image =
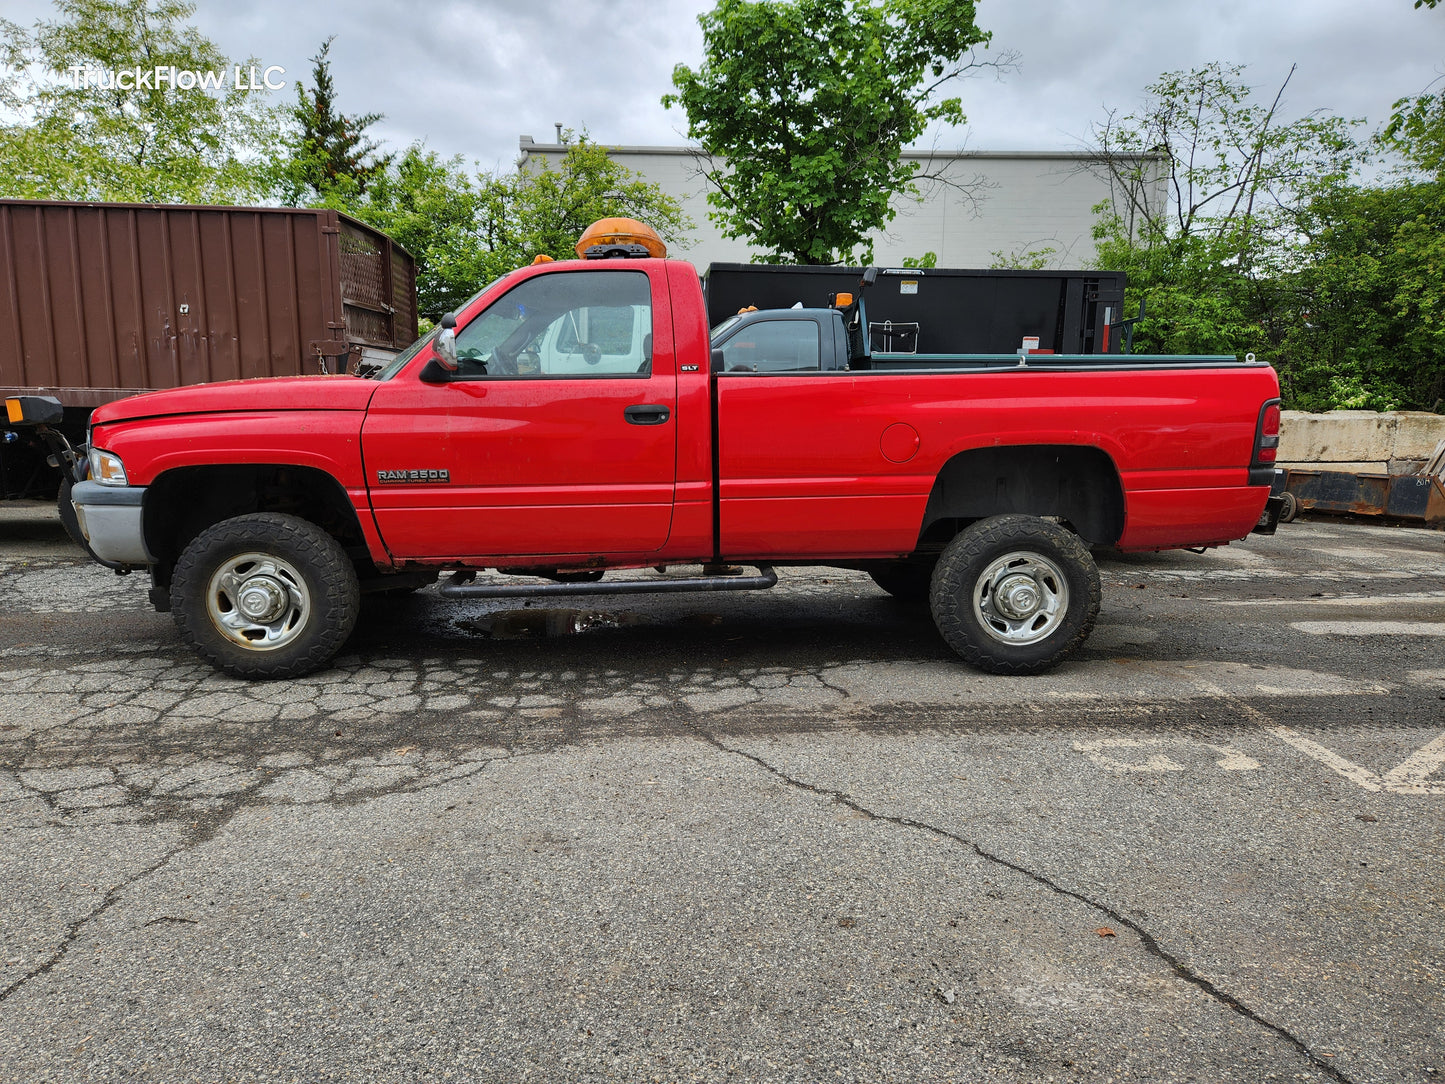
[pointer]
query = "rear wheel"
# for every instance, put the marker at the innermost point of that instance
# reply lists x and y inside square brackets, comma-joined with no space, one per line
[265,596]
[1015,594]
[1289,507]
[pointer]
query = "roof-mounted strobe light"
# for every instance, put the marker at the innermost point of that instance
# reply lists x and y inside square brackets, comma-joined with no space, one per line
[620,238]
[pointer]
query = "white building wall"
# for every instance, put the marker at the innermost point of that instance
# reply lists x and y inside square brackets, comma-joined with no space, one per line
[987,203]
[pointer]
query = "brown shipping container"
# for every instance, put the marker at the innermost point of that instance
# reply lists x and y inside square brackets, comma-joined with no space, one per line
[102,300]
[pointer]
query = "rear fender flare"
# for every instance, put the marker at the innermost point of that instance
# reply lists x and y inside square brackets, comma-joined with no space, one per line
[1076,484]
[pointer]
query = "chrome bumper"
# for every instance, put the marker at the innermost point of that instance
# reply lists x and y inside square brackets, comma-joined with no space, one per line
[110,520]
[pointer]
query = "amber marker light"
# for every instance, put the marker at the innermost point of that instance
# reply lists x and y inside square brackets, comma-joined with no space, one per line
[621,231]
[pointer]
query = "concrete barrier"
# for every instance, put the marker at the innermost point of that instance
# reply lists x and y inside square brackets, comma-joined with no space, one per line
[1360,441]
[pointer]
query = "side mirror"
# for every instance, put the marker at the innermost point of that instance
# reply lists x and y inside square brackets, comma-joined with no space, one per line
[719,361]
[446,344]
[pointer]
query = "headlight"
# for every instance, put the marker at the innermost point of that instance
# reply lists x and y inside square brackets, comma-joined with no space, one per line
[107,469]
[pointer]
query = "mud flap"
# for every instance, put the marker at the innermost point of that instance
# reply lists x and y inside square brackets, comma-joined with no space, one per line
[1269,518]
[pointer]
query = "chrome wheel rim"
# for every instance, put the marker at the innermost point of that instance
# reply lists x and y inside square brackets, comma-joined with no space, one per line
[1021,598]
[258,601]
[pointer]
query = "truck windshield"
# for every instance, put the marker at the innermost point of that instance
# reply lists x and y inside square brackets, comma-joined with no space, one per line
[398,363]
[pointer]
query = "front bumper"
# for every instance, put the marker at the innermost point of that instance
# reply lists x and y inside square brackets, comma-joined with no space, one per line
[110,518]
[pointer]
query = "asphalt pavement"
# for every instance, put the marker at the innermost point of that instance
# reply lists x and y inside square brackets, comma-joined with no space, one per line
[782,836]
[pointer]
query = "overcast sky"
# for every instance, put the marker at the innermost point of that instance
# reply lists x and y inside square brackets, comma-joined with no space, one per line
[469,76]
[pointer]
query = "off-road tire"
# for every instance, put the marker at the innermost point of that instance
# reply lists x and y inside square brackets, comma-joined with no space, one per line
[305,570]
[1040,561]
[907,581]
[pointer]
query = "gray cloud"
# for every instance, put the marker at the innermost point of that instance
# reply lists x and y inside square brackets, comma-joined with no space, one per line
[1355,58]
[469,76]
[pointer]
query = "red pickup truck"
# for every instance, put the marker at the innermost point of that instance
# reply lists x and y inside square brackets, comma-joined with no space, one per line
[577,417]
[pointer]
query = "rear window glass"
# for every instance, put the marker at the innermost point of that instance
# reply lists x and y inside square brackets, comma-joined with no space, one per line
[773,346]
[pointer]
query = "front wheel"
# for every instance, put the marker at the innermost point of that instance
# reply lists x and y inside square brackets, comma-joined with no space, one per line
[265,595]
[1015,594]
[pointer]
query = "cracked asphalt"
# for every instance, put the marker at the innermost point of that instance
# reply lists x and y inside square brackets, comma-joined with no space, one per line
[769,837]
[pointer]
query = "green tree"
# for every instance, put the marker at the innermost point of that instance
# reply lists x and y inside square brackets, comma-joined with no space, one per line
[1371,280]
[1371,298]
[1416,132]
[543,211]
[1252,234]
[466,230]
[1034,257]
[1206,158]
[431,207]
[1205,182]
[802,109]
[75,133]
[329,150]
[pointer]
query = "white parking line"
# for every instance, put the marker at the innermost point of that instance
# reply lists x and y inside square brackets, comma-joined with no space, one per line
[1370,628]
[1429,678]
[1431,599]
[1362,777]
[1209,575]
[1410,776]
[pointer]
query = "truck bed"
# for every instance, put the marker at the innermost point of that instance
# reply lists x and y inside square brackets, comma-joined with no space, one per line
[926,363]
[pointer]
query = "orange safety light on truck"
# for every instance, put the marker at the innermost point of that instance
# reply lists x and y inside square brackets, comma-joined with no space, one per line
[612,237]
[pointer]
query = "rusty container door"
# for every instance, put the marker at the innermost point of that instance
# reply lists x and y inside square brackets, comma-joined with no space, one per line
[378,290]
[99,301]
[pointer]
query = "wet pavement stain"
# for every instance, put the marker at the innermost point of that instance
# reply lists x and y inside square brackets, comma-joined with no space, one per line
[538,624]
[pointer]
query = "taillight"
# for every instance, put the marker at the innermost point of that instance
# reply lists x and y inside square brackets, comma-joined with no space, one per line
[1266,440]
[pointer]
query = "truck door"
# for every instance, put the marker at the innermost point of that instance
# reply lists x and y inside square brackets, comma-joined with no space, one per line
[556,437]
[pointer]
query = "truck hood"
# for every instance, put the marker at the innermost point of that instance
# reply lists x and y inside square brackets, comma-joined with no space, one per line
[233,396]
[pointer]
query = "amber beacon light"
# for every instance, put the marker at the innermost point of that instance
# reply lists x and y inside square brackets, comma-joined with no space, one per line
[619,238]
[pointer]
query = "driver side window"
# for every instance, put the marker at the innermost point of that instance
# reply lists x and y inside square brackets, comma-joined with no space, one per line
[562,325]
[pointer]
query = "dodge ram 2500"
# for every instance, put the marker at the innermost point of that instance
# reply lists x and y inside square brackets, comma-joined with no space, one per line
[577,417]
